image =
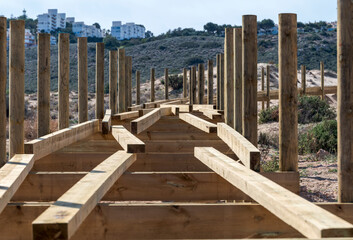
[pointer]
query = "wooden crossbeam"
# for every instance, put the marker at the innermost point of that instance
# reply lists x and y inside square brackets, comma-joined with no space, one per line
[144,122]
[198,122]
[63,218]
[304,216]
[107,121]
[211,113]
[182,107]
[197,107]
[135,107]
[127,140]
[145,111]
[50,143]
[126,115]
[247,153]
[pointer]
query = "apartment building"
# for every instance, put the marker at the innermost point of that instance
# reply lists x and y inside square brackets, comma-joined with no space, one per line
[127,31]
[51,21]
[80,29]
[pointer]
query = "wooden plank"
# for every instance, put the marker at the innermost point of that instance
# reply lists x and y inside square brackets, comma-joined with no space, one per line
[12,174]
[229,76]
[185,80]
[238,98]
[211,114]
[152,79]
[82,67]
[222,80]
[99,80]
[126,115]
[268,76]
[3,79]
[52,142]
[322,71]
[121,80]
[127,140]
[303,78]
[248,154]
[304,216]
[218,69]
[138,88]
[166,83]
[197,107]
[135,108]
[141,124]
[63,218]
[201,83]
[198,122]
[210,82]
[113,82]
[107,121]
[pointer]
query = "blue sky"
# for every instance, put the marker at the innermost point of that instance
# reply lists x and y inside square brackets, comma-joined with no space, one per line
[161,15]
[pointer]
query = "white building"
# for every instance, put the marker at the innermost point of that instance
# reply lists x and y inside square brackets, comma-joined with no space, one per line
[51,21]
[70,20]
[80,29]
[127,31]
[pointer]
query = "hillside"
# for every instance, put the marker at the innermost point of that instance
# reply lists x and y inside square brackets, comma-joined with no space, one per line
[178,52]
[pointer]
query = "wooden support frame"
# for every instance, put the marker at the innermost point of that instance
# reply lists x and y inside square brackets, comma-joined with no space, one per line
[127,140]
[238,90]
[99,80]
[113,81]
[210,82]
[144,122]
[121,80]
[126,115]
[211,113]
[198,122]
[248,154]
[135,108]
[229,77]
[76,204]
[82,80]
[185,80]
[304,216]
[107,121]
[138,88]
[3,79]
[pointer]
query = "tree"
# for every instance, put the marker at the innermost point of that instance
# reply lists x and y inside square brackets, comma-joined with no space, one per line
[300,25]
[211,28]
[111,42]
[148,34]
[266,24]
[97,25]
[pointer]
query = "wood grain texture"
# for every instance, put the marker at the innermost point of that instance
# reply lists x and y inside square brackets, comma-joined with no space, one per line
[229,77]
[99,80]
[238,90]
[121,80]
[82,80]
[113,82]
[3,79]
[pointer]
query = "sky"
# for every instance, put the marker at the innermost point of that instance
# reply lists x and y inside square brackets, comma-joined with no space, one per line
[159,16]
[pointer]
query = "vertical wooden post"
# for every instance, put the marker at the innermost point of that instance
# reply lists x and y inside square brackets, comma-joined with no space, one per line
[201,83]
[17,86]
[191,74]
[222,80]
[229,77]
[218,66]
[82,80]
[322,69]
[43,84]
[166,83]
[288,112]
[3,77]
[345,100]
[194,85]
[152,79]
[185,82]
[121,80]
[249,75]
[99,80]
[138,88]
[210,82]
[64,75]
[263,84]
[268,77]
[238,80]
[128,81]
[303,73]
[113,80]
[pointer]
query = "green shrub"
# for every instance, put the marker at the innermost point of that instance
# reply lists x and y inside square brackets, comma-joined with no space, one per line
[211,45]
[176,81]
[271,166]
[189,45]
[313,109]
[162,47]
[193,61]
[269,115]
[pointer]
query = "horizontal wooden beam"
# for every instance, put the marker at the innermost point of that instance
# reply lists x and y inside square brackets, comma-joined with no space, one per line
[63,218]
[211,113]
[247,153]
[50,143]
[197,107]
[198,122]
[304,216]
[145,111]
[142,123]
[107,121]
[127,140]
[135,107]
[182,107]
[126,115]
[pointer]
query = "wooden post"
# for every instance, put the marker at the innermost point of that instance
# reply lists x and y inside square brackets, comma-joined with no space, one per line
[194,86]
[201,82]
[121,80]
[185,80]
[345,100]
[128,82]
[99,80]
[113,79]
[229,77]
[3,78]
[64,75]
[137,87]
[303,73]
[263,84]
[238,95]
[43,84]
[221,80]
[249,74]
[322,70]
[191,74]
[152,79]
[268,77]
[288,112]
[82,80]
[218,69]
[166,83]
[210,82]
[17,86]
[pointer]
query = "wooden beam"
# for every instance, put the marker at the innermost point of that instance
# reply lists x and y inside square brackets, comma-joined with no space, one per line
[82,80]
[129,81]
[121,80]
[135,108]
[221,79]
[263,84]
[322,71]
[210,82]
[194,86]
[248,154]
[52,142]
[218,69]
[126,115]
[304,216]
[107,121]
[303,78]
[144,122]
[201,83]
[185,80]
[197,107]
[138,88]
[152,79]
[198,122]
[3,79]
[211,114]
[76,204]
[113,81]
[166,83]
[127,140]
[268,76]
[229,77]
[238,90]
[99,80]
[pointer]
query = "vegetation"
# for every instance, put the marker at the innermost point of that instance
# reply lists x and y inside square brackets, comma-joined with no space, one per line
[269,115]
[176,81]
[271,165]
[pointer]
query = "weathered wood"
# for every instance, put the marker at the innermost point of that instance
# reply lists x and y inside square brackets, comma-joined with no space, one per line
[249,75]
[77,203]
[3,78]
[145,111]
[322,71]
[127,140]
[166,83]
[43,84]
[211,114]
[144,122]
[135,108]
[138,88]
[52,142]
[210,82]
[126,115]
[82,80]
[303,75]
[64,79]
[194,85]
[152,79]
[198,122]
[99,80]
[201,82]
[16,86]
[288,112]
[185,80]
[121,80]
[129,81]
[107,122]
[218,69]
[248,154]
[304,216]
[113,82]
[221,79]
[268,76]
[238,95]
[229,77]
[345,100]
[263,84]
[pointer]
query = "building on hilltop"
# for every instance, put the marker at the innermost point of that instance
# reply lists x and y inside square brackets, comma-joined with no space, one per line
[51,21]
[70,20]
[80,29]
[127,31]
